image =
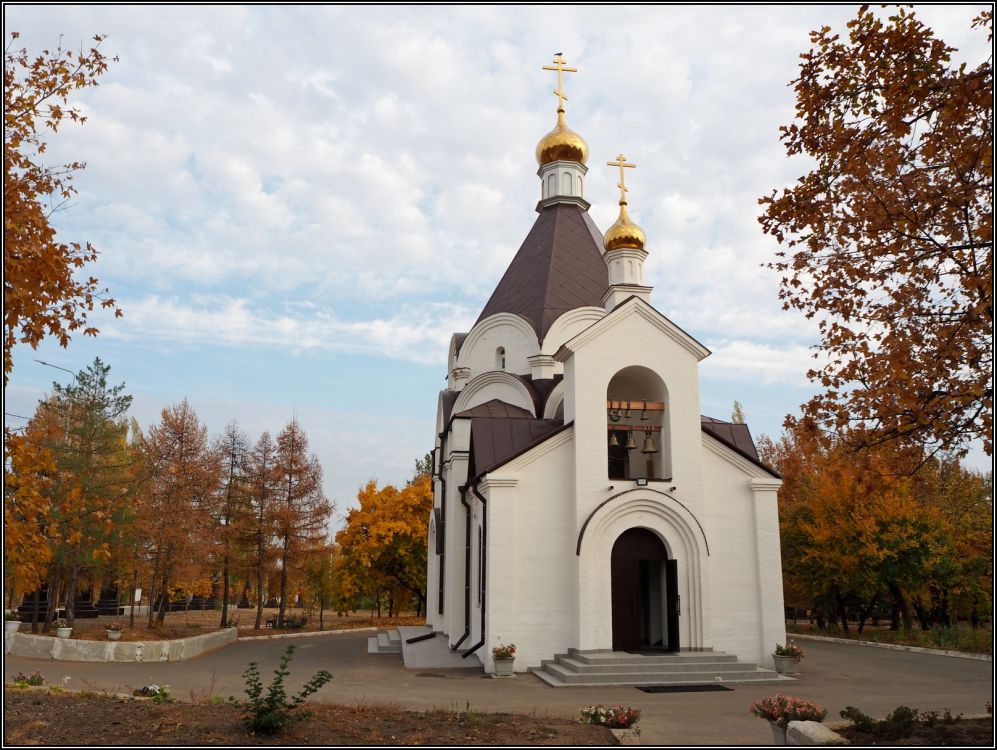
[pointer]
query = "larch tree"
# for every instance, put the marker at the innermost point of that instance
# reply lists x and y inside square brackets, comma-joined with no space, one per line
[184,474]
[42,295]
[231,507]
[737,414]
[889,238]
[263,481]
[301,511]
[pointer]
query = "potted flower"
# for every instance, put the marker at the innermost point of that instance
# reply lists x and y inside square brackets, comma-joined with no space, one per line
[787,657]
[10,622]
[504,656]
[781,709]
[62,628]
[621,720]
[114,631]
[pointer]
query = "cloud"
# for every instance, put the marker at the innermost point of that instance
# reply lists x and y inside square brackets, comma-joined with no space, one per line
[416,334]
[750,362]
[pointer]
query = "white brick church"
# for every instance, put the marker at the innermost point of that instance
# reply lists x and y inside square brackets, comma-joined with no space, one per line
[581,499]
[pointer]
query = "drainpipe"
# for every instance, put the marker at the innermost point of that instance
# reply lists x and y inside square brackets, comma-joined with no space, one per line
[443,524]
[484,567]
[467,568]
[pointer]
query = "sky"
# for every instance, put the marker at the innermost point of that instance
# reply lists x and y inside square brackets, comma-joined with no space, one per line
[295,207]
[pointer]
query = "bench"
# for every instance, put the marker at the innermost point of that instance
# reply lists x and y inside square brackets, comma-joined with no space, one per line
[271,622]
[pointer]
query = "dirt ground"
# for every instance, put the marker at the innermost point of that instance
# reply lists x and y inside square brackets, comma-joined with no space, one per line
[36,717]
[971,732]
[186,624]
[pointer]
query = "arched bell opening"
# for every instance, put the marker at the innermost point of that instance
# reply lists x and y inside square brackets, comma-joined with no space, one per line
[637,425]
[645,600]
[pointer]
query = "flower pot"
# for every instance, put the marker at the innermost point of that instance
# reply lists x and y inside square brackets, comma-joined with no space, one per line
[629,736]
[786,664]
[63,632]
[11,626]
[503,667]
[114,635]
[778,732]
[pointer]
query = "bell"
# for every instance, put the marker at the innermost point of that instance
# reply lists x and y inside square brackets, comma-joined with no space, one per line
[627,415]
[612,439]
[648,444]
[631,443]
[643,414]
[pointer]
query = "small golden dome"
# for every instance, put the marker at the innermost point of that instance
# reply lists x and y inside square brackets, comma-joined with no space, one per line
[624,233]
[562,143]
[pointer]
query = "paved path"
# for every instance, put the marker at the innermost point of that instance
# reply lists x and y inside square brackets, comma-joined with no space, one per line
[836,675]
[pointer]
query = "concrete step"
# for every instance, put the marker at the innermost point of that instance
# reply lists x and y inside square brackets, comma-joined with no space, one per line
[576,665]
[604,668]
[383,644]
[623,658]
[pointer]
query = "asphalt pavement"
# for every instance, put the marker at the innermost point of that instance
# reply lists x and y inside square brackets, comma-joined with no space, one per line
[835,675]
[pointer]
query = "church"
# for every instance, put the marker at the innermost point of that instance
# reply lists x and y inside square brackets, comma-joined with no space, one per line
[582,503]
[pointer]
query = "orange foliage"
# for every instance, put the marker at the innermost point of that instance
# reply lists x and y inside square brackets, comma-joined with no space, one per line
[41,296]
[890,236]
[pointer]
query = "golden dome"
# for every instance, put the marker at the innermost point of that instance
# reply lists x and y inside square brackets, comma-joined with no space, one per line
[624,233]
[562,143]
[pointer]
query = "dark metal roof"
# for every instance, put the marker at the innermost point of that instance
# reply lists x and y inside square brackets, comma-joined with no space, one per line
[737,437]
[558,268]
[449,399]
[496,409]
[498,441]
[459,341]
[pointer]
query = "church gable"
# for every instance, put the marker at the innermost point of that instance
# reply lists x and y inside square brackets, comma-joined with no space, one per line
[641,309]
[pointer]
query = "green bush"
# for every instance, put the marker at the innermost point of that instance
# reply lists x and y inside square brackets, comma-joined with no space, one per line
[900,723]
[270,713]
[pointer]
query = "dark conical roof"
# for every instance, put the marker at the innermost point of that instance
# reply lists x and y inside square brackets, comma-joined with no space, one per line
[558,268]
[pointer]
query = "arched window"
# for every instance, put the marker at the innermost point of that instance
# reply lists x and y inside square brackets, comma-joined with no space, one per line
[551,185]
[565,184]
[638,435]
[500,358]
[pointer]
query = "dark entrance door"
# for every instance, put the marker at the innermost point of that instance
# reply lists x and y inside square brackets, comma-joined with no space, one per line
[639,560]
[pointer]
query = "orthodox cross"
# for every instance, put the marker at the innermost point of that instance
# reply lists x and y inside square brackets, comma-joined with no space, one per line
[621,162]
[559,67]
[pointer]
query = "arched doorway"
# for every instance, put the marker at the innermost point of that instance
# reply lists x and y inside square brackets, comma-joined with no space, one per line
[644,593]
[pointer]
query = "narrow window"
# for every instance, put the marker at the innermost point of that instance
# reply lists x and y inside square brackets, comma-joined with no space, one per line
[500,358]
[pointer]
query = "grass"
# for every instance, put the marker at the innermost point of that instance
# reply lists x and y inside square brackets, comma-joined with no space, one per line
[956,638]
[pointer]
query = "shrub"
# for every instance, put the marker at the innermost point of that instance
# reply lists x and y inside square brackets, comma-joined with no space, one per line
[11,617]
[270,713]
[614,717]
[155,693]
[115,625]
[900,723]
[783,709]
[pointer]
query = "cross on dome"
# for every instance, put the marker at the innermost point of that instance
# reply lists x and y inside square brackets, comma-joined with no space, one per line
[559,67]
[621,162]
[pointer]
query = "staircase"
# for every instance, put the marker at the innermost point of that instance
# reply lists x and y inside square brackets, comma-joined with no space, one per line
[385,642]
[588,668]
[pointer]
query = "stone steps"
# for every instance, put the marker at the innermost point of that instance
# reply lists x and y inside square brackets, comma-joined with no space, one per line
[604,668]
[385,642]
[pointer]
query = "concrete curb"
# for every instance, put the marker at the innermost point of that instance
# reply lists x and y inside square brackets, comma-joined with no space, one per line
[307,634]
[893,646]
[67,649]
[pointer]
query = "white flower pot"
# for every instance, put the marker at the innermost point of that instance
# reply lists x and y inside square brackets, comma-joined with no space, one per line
[114,635]
[778,733]
[786,664]
[11,626]
[63,632]
[503,667]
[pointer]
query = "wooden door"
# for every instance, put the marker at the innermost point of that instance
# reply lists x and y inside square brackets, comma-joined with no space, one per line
[629,599]
[672,603]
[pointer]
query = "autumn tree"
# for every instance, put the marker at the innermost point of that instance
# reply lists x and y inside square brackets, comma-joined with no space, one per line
[263,481]
[42,296]
[889,238]
[737,414]
[231,507]
[858,534]
[301,510]
[384,541]
[184,474]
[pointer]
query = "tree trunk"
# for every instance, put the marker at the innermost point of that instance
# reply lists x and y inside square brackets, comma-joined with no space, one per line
[225,590]
[901,604]
[923,615]
[864,614]
[842,613]
[37,606]
[54,586]
[259,593]
[71,598]
[283,583]
[131,616]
